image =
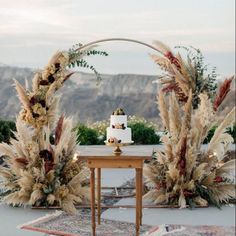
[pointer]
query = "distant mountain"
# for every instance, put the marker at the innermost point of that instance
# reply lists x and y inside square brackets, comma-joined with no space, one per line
[83,99]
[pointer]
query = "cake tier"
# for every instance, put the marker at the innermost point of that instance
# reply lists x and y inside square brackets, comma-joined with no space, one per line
[119,134]
[121,119]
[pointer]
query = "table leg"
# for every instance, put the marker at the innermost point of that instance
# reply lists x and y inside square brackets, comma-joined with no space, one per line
[141,197]
[92,187]
[138,196]
[99,194]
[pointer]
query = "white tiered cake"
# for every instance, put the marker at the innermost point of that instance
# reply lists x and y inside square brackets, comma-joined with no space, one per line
[118,130]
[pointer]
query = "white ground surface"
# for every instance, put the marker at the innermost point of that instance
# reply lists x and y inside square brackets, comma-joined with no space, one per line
[11,217]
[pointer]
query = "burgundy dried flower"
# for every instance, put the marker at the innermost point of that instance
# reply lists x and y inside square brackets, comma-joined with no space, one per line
[173,59]
[35,115]
[161,184]
[68,76]
[188,193]
[22,161]
[57,65]
[223,91]
[178,91]
[218,179]
[43,103]
[182,157]
[48,159]
[51,79]
[43,82]
[33,101]
[46,155]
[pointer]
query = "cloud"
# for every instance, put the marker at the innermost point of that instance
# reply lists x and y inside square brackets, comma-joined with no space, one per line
[34,25]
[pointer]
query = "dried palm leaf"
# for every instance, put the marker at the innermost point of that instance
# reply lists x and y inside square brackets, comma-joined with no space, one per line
[163,110]
[200,201]
[181,81]
[219,134]
[5,172]
[174,118]
[22,95]
[58,131]
[173,172]
[161,199]
[227,167]
[223,192]
[182,200]
[161,47]
[163,62]
[209,180]
[16,200]
[186,122]
[35,82]
[67,204]
[52,112]
[36,195]
[80,177]
[7,150]
[199,172]
[151,195]
[51,199]
[16,145]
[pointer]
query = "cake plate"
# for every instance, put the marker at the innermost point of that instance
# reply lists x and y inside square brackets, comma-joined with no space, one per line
[117,146]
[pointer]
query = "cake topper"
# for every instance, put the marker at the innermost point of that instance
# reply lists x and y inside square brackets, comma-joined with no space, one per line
[118,112]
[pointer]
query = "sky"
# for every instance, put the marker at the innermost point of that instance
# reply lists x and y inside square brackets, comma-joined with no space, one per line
[32,30]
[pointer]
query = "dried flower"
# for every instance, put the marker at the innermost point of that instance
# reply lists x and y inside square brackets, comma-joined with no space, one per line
[223,91]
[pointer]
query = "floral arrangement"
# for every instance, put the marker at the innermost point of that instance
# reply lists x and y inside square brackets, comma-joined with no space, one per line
[118,112]
[184,174]
[43,168]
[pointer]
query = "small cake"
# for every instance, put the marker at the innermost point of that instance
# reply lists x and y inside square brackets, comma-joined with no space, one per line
[118,132]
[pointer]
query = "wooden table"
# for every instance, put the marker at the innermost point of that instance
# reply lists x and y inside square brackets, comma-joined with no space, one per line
[103,157]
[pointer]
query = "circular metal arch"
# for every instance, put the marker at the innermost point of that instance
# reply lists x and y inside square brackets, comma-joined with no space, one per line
[118,39]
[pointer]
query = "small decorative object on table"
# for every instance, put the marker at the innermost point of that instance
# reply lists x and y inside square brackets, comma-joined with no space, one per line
[118,134]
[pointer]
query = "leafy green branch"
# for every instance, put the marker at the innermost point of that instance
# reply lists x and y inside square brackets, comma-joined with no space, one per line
[76,60]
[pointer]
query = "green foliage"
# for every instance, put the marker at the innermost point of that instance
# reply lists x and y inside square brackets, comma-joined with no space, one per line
[6,128]
[76,60]
[86,136]
[209,135]
[142,134]
[207,194]
[204,78]
[231,131]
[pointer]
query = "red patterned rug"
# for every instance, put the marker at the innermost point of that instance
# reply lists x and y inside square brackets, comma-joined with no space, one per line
[63,224]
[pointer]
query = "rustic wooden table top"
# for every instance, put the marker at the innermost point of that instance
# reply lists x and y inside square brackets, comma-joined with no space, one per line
[106,152]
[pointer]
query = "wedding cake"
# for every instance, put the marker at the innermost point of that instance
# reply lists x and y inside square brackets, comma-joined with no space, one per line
[118,132]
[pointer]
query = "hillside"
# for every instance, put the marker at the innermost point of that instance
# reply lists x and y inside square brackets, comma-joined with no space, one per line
[83,99]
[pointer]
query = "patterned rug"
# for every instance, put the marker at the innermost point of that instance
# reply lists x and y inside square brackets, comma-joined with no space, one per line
[61,223]
[188,230]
